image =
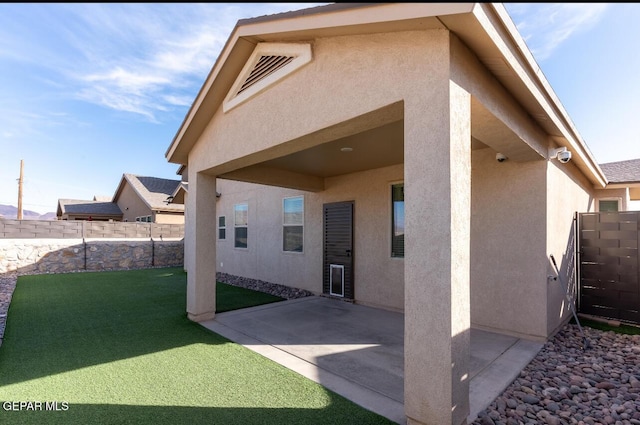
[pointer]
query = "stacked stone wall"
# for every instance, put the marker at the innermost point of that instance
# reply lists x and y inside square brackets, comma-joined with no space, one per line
[69,255]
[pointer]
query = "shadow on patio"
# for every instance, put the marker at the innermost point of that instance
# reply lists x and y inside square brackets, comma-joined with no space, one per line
[357,351]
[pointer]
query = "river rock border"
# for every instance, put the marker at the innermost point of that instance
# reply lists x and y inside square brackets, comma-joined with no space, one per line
[566,384]
[276,289]
[7,285]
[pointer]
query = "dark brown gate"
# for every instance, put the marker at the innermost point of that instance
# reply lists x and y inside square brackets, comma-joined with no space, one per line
[338,250]
[609,259]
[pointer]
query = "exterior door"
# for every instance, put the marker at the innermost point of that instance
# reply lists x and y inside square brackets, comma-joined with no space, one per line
[338,249]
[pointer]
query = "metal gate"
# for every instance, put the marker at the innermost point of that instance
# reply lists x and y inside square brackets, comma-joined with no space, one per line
[609,258]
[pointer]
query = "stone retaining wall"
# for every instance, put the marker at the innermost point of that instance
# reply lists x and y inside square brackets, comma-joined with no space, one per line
[68,255]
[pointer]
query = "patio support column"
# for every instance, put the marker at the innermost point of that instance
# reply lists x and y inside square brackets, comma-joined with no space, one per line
[437,236]
[200,248]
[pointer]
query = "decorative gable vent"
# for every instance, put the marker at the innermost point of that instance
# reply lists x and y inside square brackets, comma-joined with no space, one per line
[268,64]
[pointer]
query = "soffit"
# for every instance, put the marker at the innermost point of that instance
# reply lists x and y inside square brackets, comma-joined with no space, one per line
[373,148]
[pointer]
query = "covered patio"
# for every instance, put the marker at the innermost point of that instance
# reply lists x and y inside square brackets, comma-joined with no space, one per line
[343,104]
[358,351]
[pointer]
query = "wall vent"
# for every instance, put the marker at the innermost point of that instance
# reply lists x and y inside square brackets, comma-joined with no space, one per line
[268,64]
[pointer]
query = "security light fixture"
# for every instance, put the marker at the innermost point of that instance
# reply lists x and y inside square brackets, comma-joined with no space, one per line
[562,154]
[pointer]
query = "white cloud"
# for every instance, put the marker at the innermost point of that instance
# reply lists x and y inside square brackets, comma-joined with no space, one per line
[138,58]
[545,26]
[155,52]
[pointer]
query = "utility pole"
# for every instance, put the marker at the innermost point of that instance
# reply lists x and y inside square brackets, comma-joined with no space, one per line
[20,191]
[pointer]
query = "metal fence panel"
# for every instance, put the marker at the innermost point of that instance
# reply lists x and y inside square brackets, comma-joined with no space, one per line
[609,265]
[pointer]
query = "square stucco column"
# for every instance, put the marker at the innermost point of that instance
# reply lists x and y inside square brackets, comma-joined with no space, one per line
[437,237]
[200,248]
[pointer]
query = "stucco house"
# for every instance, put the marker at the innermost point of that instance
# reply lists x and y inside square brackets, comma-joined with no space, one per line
[418,161]
[147,199]
[623,186]
[95,210]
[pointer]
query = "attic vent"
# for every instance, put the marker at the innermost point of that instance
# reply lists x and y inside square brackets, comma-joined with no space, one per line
[268,64]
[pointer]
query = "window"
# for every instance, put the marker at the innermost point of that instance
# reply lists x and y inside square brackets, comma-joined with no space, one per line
[222,228]
[608,205]
[397,220]
[240,222]
[292,224]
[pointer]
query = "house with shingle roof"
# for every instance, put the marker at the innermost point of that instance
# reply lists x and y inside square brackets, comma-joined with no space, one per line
[623,185]
[147,199]
[80,209]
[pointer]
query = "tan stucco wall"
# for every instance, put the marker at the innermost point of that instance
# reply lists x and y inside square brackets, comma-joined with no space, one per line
[567,192]
[334,87]
[167,218]
[131,205]
[622,195]
[378,278]
[522,213]
[508,240]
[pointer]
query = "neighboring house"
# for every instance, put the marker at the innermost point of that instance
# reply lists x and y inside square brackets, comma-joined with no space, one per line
[78,209]
[102,198]
[416,160]
[147,199]
[623,186]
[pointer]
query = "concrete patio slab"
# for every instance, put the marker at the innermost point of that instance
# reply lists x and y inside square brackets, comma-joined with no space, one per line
[358,351]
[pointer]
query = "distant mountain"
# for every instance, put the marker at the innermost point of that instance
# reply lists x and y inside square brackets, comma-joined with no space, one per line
[11,212]
[48,216]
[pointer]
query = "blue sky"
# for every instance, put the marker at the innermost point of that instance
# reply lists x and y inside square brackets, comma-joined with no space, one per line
[91,91]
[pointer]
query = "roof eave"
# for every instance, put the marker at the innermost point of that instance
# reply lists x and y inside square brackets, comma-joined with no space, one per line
[550,112]
[530,81]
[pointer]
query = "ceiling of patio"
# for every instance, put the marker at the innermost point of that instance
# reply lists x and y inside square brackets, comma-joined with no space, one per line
[372,148]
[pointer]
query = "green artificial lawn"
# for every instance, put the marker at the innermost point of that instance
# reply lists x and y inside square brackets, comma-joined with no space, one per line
[117,348]
[622,329]
[230,297]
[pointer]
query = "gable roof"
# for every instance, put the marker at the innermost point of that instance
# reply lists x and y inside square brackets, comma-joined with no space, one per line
[485,28]
[153,191]
[622,171]
[81,206]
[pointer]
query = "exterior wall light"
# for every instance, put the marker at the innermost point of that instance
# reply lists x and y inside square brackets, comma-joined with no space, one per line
[562,154]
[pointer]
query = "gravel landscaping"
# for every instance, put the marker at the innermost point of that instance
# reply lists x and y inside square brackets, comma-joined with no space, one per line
[565,384]
[262,286]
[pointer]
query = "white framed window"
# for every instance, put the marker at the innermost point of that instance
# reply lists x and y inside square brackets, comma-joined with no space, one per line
[222,228]
[240,225]
[397,220]
[293,224]
[609,205]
